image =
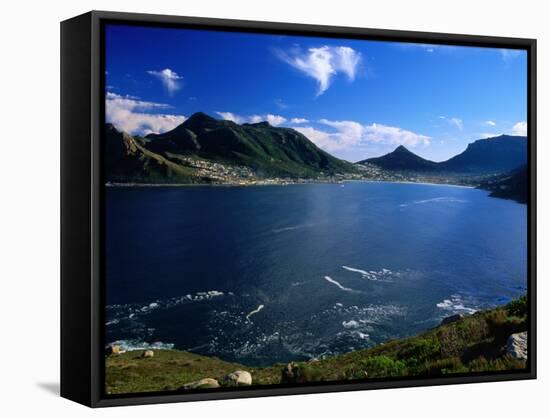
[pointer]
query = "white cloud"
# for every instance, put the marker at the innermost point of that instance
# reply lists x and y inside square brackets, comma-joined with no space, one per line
[490,123]
[520,128]
[395,135]
[457,122]
[229,116]
[274,120]
[128,113]
[254,119]
[326,140]
[346,60]
[347,134]
[323,63]
[487,135]
[338,135]
[169,78]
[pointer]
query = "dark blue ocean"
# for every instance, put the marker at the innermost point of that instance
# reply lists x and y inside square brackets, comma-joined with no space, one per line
[276,273]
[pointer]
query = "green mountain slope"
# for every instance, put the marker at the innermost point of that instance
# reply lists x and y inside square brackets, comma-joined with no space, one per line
[487,156]
[490,155]
[268,151]
[401,159]
[127,161]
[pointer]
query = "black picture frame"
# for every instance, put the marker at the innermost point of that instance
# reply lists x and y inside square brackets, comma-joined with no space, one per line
[82,112]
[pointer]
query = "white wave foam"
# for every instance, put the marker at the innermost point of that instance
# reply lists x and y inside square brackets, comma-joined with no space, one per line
[350,324]
[361,335]
[384,275]
[132,311]
[362,272]
[135,345]
[291,228]
[260,307]
[332,281]
[456,305]
[447,199]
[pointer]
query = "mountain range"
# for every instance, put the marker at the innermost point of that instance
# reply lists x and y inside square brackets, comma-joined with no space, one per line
[487,156]
[206,150]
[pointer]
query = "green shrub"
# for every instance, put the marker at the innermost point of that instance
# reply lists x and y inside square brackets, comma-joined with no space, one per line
[518,307]
[504,363]
[298,373]
[383,366]
[422,349]
[445,366]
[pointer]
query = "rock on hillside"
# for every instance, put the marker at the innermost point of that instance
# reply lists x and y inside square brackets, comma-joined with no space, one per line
[517,346]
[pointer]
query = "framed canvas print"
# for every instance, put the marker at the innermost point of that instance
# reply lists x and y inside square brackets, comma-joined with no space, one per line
[253,209]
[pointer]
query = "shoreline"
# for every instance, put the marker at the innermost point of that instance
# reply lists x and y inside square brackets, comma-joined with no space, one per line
[285,183]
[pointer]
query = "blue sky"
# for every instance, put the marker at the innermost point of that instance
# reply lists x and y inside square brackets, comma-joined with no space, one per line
[353,98]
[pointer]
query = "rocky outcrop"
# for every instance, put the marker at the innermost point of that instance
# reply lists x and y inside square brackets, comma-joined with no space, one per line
[115,350]
[238,378]
[516,346]
[299,373]
[200,384]
[148,354]
[290,374]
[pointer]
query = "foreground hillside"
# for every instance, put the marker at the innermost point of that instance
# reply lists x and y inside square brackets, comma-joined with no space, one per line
[477,343]
[512,185]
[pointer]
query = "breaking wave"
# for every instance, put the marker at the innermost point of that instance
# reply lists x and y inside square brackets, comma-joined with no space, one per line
[455,305]
[133,311]
[385,275]
[257,310]
[444,199]
[291,228]
[332,281]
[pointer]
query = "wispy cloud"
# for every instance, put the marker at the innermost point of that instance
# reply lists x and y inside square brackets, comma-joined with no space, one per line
[520,128]
[456,122]
[510,54]
[490,123]
[429,48]
[323,63]
[129,113]
[169,78]
[281,104]
[349,134]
